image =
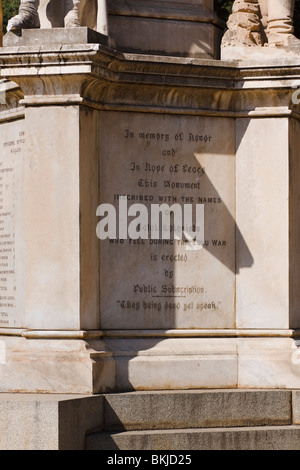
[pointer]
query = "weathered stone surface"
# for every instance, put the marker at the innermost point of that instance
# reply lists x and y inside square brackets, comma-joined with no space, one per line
[196,409]
[260,23]
[69,98]
[48,422]
[34,14]
[259,54]
[182,28]
[257,438]
[55,364]
[296,406]
[80,35]
[185,28]
[244,25]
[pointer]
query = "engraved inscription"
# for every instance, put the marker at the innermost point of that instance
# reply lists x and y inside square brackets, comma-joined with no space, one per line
[12,144]
[158,283]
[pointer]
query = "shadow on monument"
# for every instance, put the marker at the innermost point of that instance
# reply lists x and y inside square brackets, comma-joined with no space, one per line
[143,322]
[218,233]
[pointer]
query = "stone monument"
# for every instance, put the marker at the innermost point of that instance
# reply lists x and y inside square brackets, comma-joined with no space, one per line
[191,27]
[68,13]
[88,129]
[260,23]
[57,316]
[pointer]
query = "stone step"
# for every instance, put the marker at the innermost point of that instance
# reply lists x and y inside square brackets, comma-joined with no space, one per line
[249,438]
[197,409]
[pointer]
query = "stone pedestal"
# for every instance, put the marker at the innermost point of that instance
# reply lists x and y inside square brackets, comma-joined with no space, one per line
[84,125]
[50,254]
[178,27]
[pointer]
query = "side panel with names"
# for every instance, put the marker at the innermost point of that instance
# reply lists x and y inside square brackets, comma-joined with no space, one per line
[12,142]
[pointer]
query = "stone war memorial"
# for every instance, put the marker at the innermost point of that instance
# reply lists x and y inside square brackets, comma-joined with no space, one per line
[150,226]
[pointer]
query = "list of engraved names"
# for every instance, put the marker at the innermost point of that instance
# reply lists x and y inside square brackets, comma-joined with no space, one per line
[11,153]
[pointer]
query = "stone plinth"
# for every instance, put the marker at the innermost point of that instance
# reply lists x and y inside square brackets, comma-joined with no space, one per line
[54,36]
[179,28]
[259,54]
[83,125]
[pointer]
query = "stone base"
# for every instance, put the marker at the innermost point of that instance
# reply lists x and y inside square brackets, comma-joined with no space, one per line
[55,365]
[48,422]
[199,420]
[259,53]
[27,37]
[250,438]
[72,99]
[185,39]
[35,364]
[202,362]
[180,28]
[184,30]
[181,420]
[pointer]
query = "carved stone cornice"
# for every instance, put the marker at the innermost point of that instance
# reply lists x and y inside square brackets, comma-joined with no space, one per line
[100,77]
